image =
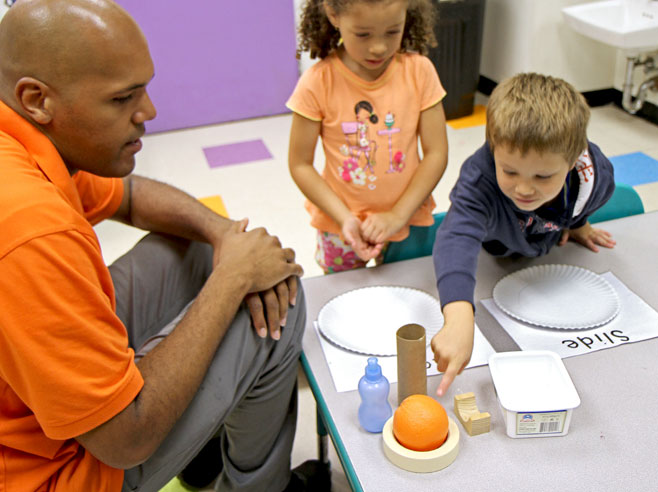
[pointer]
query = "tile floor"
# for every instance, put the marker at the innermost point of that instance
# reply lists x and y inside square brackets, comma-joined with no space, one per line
[264,192]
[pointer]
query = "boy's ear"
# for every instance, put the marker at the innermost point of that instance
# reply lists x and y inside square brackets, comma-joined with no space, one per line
[35,98]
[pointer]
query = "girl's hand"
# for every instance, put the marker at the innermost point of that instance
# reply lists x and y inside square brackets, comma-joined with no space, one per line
[588,236]
[377,228]
[364,249]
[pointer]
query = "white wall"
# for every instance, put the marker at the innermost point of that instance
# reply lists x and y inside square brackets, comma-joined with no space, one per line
[530,35]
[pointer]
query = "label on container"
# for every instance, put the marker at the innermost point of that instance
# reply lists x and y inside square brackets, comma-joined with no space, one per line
[540,423]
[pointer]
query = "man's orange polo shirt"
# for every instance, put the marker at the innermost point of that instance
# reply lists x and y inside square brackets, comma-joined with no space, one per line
[65,364]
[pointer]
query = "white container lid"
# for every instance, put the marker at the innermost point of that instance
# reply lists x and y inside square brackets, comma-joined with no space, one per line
[532,381]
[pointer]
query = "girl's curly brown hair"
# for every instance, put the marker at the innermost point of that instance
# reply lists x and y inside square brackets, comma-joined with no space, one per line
[318,36]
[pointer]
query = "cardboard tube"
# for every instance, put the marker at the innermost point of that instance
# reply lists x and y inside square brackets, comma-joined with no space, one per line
[412,350]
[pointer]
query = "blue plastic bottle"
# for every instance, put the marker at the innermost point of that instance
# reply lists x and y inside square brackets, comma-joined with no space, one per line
[374,410]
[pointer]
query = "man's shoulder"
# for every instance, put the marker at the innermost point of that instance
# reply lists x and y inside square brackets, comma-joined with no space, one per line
[9,144]
[22,181]
[30,206]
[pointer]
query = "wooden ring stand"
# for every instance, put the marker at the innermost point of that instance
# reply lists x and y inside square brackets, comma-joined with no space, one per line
[421,461]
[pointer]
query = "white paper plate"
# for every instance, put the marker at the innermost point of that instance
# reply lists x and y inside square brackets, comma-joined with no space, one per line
[365,320]
[557,296]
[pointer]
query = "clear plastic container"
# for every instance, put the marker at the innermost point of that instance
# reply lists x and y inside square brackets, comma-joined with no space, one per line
[374,409]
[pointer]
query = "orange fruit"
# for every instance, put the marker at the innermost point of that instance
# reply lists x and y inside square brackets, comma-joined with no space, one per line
[420,423]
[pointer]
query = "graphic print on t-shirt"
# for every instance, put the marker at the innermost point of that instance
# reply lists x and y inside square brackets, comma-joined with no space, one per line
[395,159]
[361,146]
[534,224]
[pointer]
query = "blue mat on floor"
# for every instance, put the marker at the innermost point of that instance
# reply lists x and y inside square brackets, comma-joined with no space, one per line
[635,169]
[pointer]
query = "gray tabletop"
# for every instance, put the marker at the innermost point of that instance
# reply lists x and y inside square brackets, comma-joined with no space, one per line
[612,443]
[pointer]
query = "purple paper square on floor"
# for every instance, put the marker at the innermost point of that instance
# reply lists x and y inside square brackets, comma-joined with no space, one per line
[236,153]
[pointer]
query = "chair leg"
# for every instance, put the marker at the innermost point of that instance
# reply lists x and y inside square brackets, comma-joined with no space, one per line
[323,442]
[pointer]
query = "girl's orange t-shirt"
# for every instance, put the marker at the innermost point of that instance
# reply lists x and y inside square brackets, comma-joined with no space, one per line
[369,132]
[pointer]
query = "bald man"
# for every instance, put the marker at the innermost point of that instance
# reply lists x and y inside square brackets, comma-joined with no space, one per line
[115,379]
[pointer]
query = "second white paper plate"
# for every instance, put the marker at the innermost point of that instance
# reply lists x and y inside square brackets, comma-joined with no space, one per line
[557,296]
[366,320]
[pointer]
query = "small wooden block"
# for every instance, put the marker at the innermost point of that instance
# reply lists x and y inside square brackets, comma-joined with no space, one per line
[474,421]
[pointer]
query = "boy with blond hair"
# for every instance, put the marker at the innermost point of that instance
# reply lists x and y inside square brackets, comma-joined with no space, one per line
[532,185]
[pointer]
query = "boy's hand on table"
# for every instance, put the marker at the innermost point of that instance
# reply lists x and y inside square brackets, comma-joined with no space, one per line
[453,344]
[363,248]
[377,228]
[589,237]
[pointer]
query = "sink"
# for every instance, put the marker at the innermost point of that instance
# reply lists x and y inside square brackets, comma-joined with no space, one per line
[631,25]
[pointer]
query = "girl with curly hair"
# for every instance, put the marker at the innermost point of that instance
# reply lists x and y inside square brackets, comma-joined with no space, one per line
[371,98]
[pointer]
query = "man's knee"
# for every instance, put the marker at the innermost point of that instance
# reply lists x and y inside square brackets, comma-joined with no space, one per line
[298,322]
[155,280]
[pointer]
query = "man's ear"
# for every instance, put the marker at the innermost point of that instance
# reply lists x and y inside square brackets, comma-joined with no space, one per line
[35,98]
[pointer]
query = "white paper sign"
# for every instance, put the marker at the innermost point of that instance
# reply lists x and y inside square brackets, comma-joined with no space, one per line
[347,367]
[636,321]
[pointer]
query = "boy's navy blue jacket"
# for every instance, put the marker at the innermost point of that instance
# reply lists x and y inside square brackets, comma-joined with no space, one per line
[481,215]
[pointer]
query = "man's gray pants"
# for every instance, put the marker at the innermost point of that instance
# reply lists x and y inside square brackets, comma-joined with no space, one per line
[249,394]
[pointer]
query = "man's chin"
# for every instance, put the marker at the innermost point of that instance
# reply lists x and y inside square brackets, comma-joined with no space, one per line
[126,168]
[119,169]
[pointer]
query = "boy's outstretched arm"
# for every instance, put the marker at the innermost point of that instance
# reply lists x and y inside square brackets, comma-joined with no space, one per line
[377,228]
[589,237]
[453,344]
[455,255]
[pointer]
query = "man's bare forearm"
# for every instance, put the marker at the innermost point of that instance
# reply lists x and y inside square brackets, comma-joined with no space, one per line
[158,207]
